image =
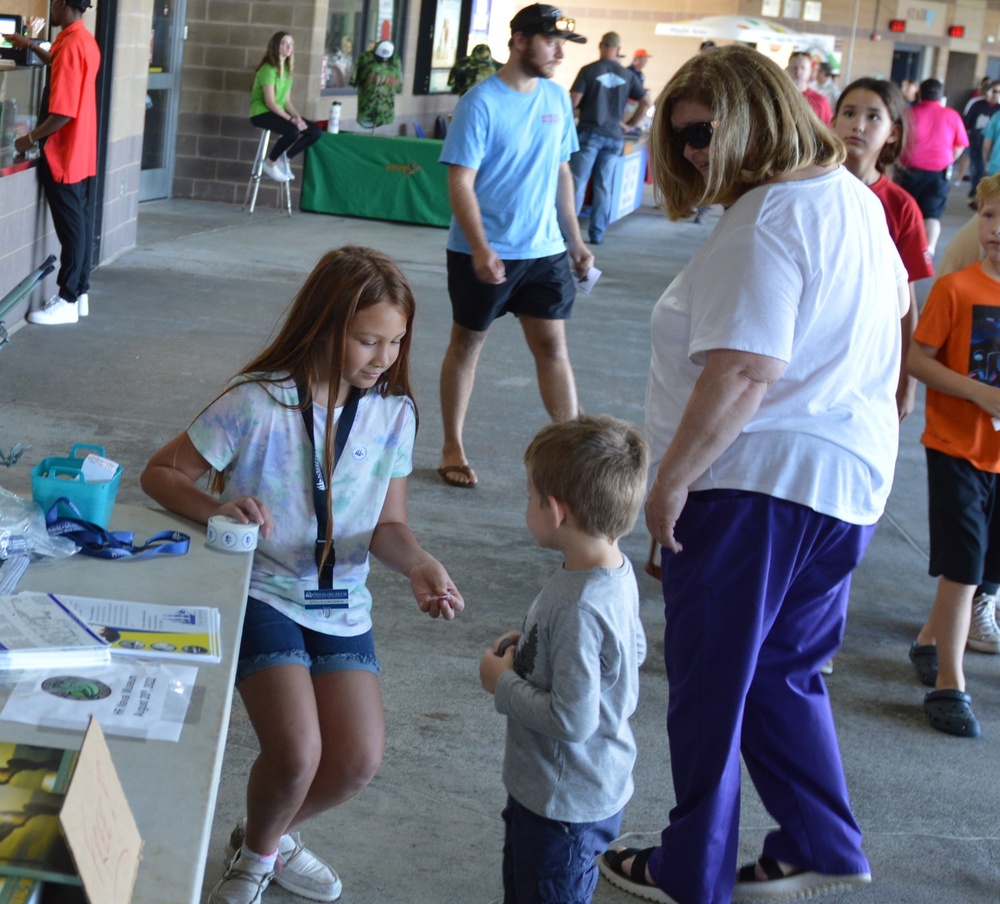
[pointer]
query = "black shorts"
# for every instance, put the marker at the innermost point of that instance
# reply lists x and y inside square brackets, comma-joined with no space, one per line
[542,287]
[929,188]
[964,520]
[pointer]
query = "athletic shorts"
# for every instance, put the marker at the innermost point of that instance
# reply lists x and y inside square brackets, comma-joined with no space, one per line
[271,638]
[929,188]
[964,520]
[542,287]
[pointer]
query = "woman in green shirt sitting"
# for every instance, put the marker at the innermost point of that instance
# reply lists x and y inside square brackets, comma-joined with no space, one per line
[271,108]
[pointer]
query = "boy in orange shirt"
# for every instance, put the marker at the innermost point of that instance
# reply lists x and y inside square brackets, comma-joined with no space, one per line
[956,353]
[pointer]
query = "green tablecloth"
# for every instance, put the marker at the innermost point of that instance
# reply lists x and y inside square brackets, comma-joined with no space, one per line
[377,177]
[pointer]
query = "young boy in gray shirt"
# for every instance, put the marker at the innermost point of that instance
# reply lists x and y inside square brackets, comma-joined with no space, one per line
[569,680]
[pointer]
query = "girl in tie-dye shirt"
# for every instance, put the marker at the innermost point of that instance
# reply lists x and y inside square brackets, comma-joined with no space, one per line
[307,670]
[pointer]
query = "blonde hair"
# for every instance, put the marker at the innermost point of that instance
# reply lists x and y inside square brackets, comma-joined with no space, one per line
[595,465]
[987,190]
[764,128]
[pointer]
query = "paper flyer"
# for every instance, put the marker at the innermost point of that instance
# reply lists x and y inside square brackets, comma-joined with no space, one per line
[151,631]
[134,698]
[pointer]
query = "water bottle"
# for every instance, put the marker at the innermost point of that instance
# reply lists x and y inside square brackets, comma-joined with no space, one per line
[333,123]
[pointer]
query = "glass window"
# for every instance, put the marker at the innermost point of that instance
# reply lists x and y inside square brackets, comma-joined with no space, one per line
[354,26]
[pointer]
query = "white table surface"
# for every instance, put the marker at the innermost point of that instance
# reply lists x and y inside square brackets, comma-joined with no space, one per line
[170,787]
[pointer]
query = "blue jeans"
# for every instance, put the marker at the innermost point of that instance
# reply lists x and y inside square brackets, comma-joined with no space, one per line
[597,155]
[550,862]
[270,638]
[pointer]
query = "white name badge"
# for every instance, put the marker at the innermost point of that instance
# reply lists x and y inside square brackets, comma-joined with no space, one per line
[326,599]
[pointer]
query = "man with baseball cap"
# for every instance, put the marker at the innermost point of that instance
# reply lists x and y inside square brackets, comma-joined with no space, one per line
[639,59]
[511,190]
[601,92]
[68,162]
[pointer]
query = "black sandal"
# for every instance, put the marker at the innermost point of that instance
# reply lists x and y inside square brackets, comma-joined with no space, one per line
[633,881]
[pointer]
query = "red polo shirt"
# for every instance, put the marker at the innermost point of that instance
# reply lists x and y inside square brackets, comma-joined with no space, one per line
[71,153]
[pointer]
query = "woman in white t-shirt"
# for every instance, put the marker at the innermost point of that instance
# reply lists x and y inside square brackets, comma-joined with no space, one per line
[772,421]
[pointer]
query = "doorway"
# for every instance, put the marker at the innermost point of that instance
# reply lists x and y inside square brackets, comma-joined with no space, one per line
[960,80]
[907,63]
[159,137]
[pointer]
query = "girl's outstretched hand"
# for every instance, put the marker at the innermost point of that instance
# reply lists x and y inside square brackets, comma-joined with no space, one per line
[434,590]
[247,510]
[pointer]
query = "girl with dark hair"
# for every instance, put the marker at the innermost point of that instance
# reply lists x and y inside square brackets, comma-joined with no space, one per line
[335,379]
[871,120]
[271,108]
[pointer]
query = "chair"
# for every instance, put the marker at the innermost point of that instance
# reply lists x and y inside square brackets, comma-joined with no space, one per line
[418,130]
[441,127]
[257,172]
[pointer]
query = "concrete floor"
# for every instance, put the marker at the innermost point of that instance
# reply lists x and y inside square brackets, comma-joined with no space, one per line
[174,318]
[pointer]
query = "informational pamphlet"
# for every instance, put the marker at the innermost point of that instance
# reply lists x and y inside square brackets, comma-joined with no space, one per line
[38,631]
[129,697]
[149,631]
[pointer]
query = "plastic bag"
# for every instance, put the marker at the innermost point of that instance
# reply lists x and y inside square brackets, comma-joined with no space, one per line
[23,532]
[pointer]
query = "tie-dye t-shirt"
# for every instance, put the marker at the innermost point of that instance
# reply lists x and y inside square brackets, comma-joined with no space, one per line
[262,448]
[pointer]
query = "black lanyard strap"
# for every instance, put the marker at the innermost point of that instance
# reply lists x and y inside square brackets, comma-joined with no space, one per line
[320,489]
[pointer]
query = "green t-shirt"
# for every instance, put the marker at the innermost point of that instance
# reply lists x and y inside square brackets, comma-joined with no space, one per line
[268,75]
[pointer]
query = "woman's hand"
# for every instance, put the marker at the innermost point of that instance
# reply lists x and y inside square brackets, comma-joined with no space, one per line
[492,666]
[249,510]
[434,590]
[300,123]
[663,507]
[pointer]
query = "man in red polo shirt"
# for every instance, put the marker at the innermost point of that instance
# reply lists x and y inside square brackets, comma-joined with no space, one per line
[800,67]
[68,163]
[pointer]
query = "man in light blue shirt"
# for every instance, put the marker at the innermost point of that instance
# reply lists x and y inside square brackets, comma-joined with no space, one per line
[514,218]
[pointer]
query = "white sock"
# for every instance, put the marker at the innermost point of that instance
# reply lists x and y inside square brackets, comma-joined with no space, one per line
[267,860]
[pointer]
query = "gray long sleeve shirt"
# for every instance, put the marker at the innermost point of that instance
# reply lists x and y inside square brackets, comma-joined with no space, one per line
[570,749]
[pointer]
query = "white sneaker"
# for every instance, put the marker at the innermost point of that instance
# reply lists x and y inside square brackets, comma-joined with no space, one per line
[984,635]
[56,311]
[83,304]
[275,171]
[243,883]
[299,870]
[286,164]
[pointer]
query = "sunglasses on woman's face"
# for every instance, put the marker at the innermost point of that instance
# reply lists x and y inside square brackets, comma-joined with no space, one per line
[697,135]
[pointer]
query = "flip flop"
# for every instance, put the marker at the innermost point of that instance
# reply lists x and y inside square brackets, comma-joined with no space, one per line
[448,470]
[950,711]
[633,881]
[925,661]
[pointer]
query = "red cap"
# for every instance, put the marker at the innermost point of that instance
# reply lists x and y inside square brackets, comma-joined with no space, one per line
[642,53]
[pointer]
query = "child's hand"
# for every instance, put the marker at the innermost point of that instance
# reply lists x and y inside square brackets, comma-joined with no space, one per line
[987,397]
[504,641]
[249,510]
[434,590]
[492,666]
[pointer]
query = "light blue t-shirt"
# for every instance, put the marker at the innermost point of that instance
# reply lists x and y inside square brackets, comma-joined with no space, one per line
[261,447]
[515,142]
[992,132]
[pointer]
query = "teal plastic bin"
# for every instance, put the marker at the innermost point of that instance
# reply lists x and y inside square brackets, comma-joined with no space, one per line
[53,478]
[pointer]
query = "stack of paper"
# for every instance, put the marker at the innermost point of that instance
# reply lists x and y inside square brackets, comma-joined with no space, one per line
[37,631]
[152,632]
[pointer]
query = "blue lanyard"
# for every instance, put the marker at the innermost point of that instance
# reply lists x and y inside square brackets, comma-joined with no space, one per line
[95,541]
[320,490]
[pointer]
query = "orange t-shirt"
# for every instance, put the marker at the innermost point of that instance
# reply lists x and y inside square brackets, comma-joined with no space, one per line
[962,321]
[71,153]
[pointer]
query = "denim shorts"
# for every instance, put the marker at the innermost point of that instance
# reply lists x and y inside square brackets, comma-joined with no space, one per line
[271,638]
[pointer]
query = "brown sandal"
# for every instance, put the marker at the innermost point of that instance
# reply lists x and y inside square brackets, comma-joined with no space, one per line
[468,484]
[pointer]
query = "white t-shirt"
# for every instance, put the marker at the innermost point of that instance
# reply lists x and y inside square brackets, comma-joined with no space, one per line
[262,448]
[804,272]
